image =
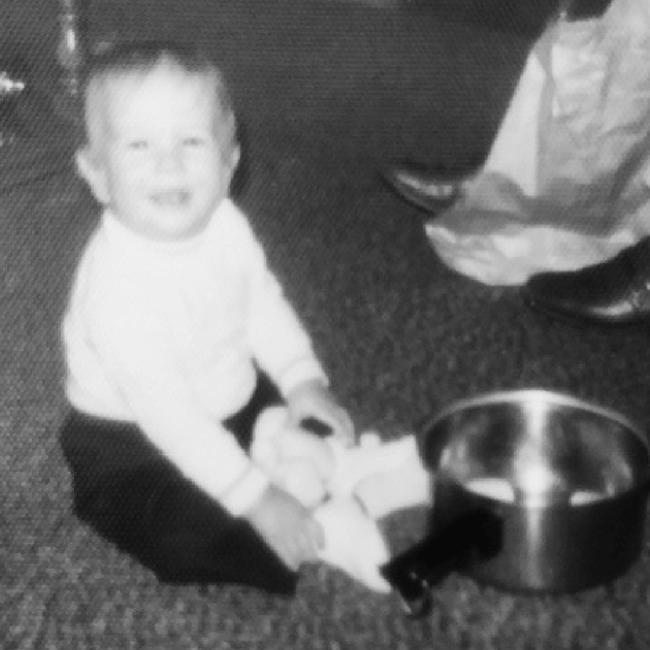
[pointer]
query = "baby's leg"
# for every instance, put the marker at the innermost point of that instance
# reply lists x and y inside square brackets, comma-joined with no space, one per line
[135,498]
[353,542]
[386,477]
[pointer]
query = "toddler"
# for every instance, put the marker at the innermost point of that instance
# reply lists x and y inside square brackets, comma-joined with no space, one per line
[188,373]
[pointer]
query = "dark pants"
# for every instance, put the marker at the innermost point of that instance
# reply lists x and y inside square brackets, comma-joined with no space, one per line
[133,496]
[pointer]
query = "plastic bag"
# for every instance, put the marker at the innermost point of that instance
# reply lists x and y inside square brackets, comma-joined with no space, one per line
[567,181]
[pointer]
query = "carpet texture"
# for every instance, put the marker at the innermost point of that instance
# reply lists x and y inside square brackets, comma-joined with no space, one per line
[328,92]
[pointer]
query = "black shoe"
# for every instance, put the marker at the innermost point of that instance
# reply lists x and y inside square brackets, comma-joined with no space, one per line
[586,9]
[613,293]
[430,188]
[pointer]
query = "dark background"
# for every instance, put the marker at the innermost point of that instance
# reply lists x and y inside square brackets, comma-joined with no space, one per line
[328,93]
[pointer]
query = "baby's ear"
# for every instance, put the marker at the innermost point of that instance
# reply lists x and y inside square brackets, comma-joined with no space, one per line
[238,173]
[235,156]
[91,169]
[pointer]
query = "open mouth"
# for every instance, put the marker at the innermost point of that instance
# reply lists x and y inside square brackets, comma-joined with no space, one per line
[171,198]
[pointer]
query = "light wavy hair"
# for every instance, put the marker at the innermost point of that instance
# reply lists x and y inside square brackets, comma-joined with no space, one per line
[114,60]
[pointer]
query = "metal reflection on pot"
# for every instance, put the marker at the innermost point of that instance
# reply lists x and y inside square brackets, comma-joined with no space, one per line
[534,491]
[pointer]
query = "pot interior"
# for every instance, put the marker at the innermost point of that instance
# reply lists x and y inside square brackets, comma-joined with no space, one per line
[537,448]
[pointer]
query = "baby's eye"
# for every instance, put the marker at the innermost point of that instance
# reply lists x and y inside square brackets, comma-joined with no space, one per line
[193,141]
[138,145]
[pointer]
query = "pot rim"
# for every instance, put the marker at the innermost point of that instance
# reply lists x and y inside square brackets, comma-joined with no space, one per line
[541,394]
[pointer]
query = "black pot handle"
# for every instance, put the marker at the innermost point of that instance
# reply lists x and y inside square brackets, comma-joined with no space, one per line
[476,535]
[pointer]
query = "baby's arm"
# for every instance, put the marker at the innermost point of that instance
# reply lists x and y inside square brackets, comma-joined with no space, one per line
[283,348]
[138,356]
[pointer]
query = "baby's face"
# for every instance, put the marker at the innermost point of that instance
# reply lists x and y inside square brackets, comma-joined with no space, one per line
[156,159]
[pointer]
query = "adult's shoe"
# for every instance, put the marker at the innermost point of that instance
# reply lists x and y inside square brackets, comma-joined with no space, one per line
[577,10]
[613,293]
[429,187]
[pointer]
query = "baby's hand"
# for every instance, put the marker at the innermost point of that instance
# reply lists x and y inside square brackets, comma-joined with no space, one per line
[287,527]
[313,400]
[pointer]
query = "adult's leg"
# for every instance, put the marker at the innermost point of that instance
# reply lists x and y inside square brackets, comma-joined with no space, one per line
[514,154]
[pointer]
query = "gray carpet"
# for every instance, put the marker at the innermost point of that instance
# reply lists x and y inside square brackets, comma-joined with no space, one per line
[328,92]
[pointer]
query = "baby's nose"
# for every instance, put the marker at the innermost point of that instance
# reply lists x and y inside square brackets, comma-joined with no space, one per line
[169,159]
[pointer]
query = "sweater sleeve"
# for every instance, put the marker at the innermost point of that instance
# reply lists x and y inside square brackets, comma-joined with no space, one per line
[280,343]
[164,405]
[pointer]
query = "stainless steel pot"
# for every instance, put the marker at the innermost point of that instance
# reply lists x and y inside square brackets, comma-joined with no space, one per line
[533,491]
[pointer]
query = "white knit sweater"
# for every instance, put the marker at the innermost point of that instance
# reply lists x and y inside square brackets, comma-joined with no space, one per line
[167,335]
